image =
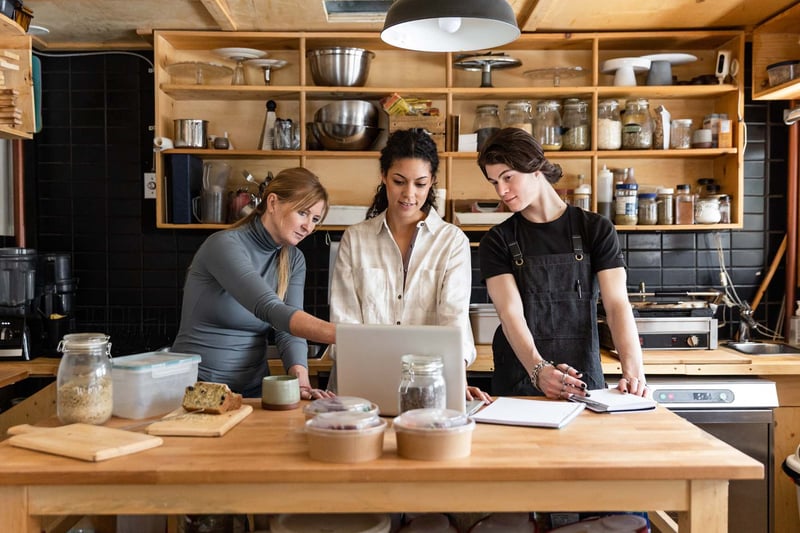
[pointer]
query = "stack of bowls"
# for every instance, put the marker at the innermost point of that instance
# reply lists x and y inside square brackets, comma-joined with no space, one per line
[346,125]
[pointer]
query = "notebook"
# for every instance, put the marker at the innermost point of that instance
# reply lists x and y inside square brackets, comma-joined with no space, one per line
[613,401]
[368,361]
[523,412]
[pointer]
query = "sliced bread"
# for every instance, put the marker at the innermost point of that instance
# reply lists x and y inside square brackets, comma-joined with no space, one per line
[214,398]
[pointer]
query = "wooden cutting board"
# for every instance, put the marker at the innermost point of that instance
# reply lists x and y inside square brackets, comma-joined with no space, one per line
[81,441]
[198,424]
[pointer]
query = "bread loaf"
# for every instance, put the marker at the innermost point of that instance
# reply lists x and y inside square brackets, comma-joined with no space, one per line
[214,398]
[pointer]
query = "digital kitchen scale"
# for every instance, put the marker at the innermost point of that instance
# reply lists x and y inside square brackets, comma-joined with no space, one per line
[713,393]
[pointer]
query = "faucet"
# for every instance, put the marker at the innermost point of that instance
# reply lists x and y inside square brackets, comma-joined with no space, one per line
[745,323]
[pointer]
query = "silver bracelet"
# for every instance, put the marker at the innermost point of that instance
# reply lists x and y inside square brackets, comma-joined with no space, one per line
[535,373]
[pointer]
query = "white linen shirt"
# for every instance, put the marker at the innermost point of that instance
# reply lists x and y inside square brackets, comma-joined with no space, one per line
[367,285]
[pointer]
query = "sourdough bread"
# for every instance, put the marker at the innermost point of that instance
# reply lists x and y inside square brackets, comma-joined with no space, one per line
[214,398]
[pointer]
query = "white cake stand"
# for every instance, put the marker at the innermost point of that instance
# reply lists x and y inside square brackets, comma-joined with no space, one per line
[267,65]
[661,67]
[625,69]
[240,55]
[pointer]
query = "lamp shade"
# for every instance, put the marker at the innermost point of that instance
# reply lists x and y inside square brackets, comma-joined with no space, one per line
[449,25]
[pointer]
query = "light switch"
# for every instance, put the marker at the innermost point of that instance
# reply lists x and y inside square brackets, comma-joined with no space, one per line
[149,185]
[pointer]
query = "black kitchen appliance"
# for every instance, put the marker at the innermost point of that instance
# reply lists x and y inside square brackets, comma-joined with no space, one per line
[54,303]
[17,291]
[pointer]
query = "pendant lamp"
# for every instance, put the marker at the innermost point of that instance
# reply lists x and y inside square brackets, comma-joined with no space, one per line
[449,25]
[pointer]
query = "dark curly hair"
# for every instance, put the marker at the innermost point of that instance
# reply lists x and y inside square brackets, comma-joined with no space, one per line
[414,143]
[519,150]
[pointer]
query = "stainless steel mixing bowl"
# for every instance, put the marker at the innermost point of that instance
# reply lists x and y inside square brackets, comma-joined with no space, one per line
[339,66]
[356,112]
[335,136]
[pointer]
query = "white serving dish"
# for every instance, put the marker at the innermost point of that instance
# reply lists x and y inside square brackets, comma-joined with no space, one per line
[345,215]
[467,219]
[152,383]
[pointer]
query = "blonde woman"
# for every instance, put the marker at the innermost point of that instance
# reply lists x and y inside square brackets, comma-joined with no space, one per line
[249,279]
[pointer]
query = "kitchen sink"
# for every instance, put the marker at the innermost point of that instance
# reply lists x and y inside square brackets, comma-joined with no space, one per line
[763,348]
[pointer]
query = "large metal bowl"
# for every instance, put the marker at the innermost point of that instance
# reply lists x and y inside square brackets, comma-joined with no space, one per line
[334,136]
[339,66]
[355,112]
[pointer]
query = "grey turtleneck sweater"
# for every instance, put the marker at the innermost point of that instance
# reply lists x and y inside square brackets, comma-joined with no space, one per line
[230,303]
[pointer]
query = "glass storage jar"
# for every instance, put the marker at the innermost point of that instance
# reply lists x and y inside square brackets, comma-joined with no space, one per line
[680,137]
[583,197]
[487,122]
[626,204]
[517,114]
[684,205]
[421,383]
[575,133]
[547,124]
[665,206]
[637,125]
[706,210]
[84,384]
[647,210]
[609,125]
[724,209]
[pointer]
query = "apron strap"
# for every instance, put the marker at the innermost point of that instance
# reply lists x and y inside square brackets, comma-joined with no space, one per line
[577,240]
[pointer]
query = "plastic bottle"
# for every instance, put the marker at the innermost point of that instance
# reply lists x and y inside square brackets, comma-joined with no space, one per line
[605,192]
[793,335]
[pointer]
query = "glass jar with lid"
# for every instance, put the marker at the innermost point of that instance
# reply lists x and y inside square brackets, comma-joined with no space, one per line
[626,204]
[575,134]
[487,122]
[84,384]
[637,125]
[724,209]
[706,210]
[680,137]
[517,114]
[547,124]
[647,210]
[684,205]
[665,205]
[422,383]
[609,125]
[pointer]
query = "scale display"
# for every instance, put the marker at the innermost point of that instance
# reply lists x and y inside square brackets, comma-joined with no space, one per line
[696,396]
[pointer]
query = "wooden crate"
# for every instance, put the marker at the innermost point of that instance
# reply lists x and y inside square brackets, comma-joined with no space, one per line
[433,124]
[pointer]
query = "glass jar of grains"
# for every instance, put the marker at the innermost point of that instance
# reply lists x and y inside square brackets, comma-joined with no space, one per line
[576,134]
[547,124]
[680,137]
[637,125]
[647,211]
[517,114]
[84,384]
[422,383]
[487,122]
[609,125]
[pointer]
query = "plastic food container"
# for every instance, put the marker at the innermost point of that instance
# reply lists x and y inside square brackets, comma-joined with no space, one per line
[152,383]
[484,321]
[433,434]
[783,71]
[345,437]
[330,523]
[340,404]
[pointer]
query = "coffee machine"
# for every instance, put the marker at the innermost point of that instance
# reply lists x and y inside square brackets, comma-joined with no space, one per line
[17,293]
[54,303]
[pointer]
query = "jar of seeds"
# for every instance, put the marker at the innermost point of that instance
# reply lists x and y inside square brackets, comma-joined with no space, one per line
[422,383]
[84,383]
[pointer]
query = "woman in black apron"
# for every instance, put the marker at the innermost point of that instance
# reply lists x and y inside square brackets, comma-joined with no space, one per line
[544,268]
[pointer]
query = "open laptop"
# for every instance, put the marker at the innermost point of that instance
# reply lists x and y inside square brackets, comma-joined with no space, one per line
[368,361]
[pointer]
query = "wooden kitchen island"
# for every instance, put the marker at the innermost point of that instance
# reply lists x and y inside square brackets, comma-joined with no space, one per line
[635,461]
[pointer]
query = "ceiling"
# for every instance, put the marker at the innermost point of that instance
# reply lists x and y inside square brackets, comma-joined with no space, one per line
[128,24]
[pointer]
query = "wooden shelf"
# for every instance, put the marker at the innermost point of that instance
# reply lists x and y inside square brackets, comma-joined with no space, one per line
[774,41]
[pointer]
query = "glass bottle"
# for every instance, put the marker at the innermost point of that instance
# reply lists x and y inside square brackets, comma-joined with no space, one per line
[487,122]
[583,195]
[626,204]
[605,192]
[547,124]
[421,383]
[637,125]
[576,134]
[609,125]
[724,209]
[684,205]
[84,384]
[517,114]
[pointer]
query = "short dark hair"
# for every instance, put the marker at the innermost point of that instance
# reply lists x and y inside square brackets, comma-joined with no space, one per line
[520,151]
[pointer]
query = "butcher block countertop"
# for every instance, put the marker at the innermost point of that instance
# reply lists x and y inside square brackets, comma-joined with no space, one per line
[646,460]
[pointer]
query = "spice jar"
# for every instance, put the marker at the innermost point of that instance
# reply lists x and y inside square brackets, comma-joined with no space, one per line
[637,125]
[575,132]
[665,206]
[609,125]
[547,124]
[422,383]
[583,197]
[647,210]
[487,122]
[680,137]
[84,384]
[626,204]
[684,205]
[724,209]
[517,114]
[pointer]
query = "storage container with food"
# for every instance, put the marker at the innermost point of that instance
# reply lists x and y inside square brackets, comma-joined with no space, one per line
[433,434]
[345,436]
[783,71]
[339,404]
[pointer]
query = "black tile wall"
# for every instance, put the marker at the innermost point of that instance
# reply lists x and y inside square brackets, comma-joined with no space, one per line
[84,175]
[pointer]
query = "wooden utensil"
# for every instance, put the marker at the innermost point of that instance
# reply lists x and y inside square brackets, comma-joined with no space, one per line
[81,441]
[198,424]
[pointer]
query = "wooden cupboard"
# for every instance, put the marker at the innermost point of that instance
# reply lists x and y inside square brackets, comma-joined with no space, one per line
[17,74]
[351,177]
[774,41]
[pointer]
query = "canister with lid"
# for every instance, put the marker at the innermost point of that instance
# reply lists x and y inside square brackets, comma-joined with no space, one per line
[637,125]
[583,197]
[422,383]
[647,210]
[680,137]
[547,124]
[517,114]
[576,134]
[626,204]
[684,205]
[724,209]
[487,122]
[665,206]
[706,210]
[84,386]
[609,125]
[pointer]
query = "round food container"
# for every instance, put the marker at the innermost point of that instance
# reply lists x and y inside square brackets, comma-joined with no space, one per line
[345,437]
[433,434]
[330,523]
[339,404]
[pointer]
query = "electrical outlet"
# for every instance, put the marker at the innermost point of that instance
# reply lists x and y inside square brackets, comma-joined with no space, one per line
[149,185]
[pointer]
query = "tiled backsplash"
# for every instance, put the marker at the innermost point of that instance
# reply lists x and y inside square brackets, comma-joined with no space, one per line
[84,173]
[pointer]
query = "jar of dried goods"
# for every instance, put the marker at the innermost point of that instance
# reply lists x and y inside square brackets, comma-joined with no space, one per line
[84,384]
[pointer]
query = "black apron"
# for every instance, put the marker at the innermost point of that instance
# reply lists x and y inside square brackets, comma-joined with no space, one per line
[559,297]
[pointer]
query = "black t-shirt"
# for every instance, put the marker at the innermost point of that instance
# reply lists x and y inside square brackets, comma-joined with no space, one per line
[599,237]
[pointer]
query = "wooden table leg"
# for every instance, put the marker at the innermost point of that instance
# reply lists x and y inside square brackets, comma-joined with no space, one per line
[708,508]
[14,511]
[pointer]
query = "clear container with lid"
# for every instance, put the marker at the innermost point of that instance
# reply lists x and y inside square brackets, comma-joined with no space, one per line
[517,114]
[626,204]
[647,210]
[680,137]
[84,386]
[344,421]
[609,125]
[684,205]
[724,209]
[547,124]
[583,197]
[637,125]
[345,436]
[339,404]
[422,383]
[487,122]
[665,206]
[706,210]
[575,134]
[702,186]
[433,434]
